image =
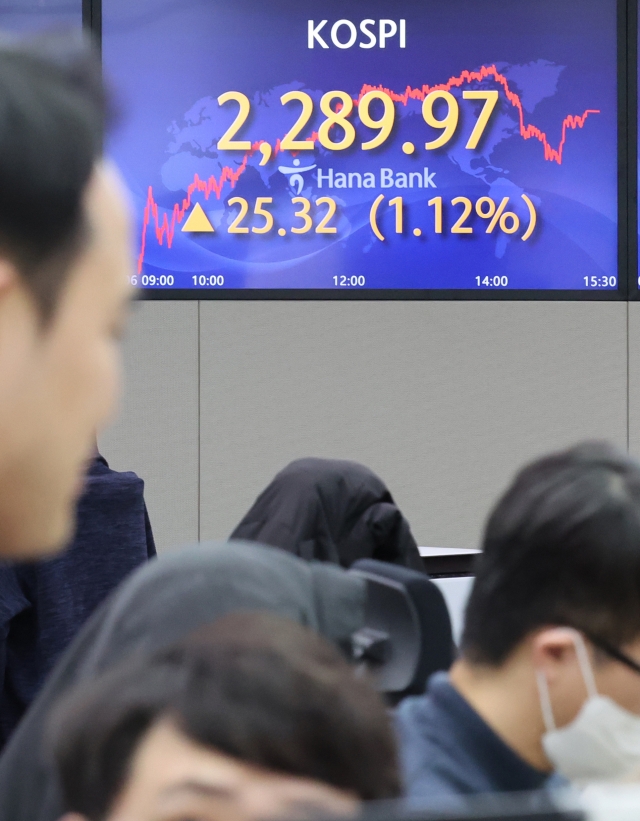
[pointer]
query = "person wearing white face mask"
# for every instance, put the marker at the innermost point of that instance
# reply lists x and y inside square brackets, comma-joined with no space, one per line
[547,686]
[603,741]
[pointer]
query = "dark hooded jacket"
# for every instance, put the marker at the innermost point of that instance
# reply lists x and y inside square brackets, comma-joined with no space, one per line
[43,604]
[333,511]
[156,606]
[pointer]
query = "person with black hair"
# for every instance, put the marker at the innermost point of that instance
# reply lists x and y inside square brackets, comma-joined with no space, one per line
[65,265]
[547,687]
[251,717]
[159,604]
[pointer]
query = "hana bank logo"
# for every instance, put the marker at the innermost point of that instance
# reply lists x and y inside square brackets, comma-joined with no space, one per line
[294,175]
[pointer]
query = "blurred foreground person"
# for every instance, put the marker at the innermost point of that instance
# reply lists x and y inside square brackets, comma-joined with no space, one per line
[333,511]
[548,683]
[45,603]
[254,717]
[65,260]
[158,605]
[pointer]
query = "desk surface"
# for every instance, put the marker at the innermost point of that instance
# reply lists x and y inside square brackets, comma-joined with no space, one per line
[447,551]
[448,561]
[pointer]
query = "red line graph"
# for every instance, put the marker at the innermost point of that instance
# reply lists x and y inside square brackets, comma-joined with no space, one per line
[166,227]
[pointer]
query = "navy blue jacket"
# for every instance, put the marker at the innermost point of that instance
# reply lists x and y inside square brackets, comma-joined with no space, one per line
[448,750]
[44,604]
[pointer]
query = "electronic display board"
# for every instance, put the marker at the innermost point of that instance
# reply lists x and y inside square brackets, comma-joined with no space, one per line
[464,148]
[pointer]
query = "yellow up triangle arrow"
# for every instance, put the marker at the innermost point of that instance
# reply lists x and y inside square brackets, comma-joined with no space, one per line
[197,221]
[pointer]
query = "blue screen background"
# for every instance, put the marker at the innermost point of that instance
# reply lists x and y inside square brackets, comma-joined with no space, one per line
[32,16]
[169,61]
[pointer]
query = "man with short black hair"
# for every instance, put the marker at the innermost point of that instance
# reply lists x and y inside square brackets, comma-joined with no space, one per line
[65,261]
[548,681]
[252,717]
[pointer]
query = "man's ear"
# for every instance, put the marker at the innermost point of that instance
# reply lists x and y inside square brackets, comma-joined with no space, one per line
[552,649]
[8,274]
[9,279]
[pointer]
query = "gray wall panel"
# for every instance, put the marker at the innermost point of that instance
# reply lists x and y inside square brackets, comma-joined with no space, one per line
[444,399]
[156,434]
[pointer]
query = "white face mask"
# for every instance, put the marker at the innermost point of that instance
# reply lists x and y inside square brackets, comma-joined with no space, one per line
[603,741]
